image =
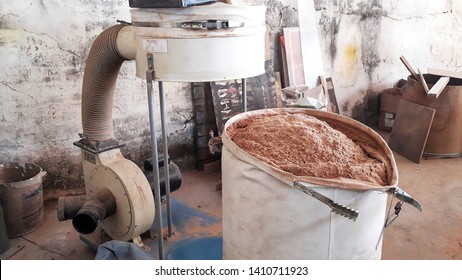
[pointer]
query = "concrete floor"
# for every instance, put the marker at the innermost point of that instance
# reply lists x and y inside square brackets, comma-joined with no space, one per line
[434,233]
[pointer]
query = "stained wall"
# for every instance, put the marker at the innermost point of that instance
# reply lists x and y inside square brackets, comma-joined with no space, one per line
[362,41]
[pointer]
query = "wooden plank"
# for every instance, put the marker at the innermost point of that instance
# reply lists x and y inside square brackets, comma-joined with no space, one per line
[438,88]
[444,73]
[294,56]
[332,98]
[285,71]
[410,130]
[277,83]
[422,80]
[309,39]
[409,67]
[267,44]
[323,82]
[201,163]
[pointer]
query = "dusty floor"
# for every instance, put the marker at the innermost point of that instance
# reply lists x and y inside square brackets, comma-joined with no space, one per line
[434,233]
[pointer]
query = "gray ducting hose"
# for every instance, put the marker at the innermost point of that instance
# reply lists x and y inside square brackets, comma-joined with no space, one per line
[99,80]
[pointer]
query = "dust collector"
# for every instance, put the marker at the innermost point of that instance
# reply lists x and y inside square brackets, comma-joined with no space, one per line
[209,42]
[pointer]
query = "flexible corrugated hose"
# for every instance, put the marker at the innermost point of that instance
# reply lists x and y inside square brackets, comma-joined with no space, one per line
[99,80]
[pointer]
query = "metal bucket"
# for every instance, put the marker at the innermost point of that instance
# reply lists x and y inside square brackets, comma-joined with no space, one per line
[4,241]
[445,136]
[266,217]
[21,195]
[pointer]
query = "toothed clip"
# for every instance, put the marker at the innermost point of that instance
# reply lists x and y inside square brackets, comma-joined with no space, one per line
[337,208]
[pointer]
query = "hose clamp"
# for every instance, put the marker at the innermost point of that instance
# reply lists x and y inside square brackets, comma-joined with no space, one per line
[211,24]
[208,24]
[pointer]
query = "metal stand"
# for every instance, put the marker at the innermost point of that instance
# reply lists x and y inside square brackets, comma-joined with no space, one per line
[155,155]
[166,157]
[244,95]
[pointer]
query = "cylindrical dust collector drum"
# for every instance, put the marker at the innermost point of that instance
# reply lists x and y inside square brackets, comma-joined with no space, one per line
[445,136]
[21,195]
[265,217]
[202,43]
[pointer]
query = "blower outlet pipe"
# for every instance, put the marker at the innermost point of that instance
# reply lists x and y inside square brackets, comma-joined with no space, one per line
[87,212]
[69,206]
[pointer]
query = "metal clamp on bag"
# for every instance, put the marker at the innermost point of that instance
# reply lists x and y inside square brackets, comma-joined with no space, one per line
[337,208]
[403,197]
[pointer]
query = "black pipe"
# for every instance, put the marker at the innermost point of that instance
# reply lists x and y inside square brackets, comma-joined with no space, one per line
[174,175]
[69,206]
[87,211]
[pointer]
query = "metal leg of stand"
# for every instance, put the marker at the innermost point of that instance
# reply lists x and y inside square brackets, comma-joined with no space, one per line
[155,155]
[165,148]
[244,95]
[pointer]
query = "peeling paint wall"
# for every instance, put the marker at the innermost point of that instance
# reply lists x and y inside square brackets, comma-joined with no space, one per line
[363,40]
[279,14]
[43,46]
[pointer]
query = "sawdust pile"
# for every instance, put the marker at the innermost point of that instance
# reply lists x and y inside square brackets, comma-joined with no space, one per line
[306,146]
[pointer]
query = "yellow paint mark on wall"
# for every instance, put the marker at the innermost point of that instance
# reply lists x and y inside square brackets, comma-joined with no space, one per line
[350,52]
[350,62]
